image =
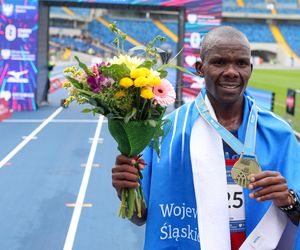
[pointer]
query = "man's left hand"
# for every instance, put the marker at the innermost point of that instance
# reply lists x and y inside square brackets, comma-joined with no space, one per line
[270,185]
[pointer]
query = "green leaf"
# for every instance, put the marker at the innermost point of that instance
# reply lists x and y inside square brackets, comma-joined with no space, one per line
[116,41]
[132,137]
[92,101]
[130,115]
[101,107]
[148,64]
[113,27]
[86,92]
[162,73]
[76,84]
[160,38]
[152,123]
[86,110]
[83,66]
[116,71]
[175,67]
[99,110]
[155,145]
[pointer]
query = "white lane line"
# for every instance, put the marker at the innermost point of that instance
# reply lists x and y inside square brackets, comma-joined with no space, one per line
[33,138]
[29,137]
[83,187]
[100,140]
[23,121]
[53,121]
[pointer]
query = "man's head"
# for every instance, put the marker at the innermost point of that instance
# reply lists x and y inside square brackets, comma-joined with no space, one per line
[225,64]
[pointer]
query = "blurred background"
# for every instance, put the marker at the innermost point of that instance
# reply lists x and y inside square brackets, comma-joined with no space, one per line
[56,191]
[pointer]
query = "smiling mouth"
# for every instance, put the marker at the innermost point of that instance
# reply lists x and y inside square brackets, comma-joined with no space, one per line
[229,86]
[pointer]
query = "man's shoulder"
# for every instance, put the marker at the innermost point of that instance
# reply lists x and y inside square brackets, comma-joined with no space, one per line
[179,112]
[269,120]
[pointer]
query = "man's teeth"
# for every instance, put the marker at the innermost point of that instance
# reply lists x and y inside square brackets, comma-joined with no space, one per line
[229,86]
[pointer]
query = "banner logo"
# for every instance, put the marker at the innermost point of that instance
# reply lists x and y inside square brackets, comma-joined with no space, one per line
[6,95]
[24,33]
[10,32]
[5,53]
[7,9]
[16,76]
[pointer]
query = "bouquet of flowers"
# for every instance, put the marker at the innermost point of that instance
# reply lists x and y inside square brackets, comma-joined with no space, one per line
[133,94]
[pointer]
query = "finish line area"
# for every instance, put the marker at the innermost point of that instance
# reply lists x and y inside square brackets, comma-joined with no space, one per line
[55,182]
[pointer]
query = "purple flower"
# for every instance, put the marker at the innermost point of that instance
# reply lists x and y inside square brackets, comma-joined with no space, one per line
[97,84]
[93,83]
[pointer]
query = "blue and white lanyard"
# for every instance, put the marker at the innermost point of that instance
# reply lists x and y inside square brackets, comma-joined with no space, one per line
[248,148]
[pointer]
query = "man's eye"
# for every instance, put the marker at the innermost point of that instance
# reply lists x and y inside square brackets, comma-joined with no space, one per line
[242,63]
[219,62]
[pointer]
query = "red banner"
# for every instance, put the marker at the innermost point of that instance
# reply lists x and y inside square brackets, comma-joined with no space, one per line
[4,110]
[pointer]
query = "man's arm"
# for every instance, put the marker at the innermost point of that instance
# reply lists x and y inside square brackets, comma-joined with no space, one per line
[125,175]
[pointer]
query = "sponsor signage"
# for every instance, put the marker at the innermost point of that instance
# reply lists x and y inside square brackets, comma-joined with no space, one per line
[18,53]
[291,101]
[200,17]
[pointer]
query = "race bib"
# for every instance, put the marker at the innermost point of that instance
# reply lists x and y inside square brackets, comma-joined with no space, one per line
[236,204]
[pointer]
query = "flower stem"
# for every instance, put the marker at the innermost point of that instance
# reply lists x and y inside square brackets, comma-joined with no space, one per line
[138,103]
[132,200]
[143,112]
[123,206]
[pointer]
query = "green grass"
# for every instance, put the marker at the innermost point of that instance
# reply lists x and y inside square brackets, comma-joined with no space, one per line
[278,81]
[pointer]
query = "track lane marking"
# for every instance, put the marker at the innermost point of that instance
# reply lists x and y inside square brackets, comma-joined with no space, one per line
[83,205]
[82,191]
[29,137]
[53,121]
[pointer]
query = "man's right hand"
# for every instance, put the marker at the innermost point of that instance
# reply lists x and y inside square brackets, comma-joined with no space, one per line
[124,174]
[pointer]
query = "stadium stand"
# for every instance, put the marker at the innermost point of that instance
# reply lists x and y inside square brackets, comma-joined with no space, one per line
[141,30]
[266,18]
[291,33]
[262,32]
[71,11]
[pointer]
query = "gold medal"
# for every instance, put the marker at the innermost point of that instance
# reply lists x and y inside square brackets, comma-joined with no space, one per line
[243,170]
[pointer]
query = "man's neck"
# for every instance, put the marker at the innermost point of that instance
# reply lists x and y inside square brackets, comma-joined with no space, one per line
[230,116]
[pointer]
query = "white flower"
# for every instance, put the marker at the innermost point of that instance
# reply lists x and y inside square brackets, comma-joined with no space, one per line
[154,73]
[131,62]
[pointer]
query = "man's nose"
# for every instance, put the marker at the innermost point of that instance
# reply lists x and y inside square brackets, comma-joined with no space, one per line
[230,71]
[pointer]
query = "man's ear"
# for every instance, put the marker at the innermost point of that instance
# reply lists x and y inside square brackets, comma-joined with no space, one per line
[198,67]
[251,67]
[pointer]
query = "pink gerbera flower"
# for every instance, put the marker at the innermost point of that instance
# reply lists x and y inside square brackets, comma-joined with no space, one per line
[164,93]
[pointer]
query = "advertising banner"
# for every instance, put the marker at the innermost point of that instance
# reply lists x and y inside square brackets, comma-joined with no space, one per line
[290,101]
[200,17]
[18,53]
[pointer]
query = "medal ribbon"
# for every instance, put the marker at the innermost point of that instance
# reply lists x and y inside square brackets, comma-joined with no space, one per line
[248,148]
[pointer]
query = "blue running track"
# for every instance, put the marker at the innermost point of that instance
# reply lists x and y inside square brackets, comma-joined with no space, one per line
[55,183]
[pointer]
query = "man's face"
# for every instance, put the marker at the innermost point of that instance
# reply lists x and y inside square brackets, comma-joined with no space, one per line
[226,69]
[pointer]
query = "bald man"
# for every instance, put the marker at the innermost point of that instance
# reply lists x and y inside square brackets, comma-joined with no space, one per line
[229,171]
